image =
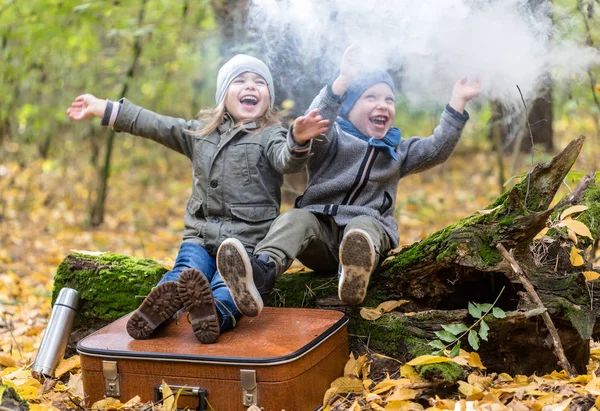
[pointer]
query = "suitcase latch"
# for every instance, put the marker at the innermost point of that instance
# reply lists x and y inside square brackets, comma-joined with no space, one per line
[112,386]
[249,388]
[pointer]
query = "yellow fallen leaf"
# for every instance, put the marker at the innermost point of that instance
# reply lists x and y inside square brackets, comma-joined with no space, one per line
[572,236]
[355,406]
[579,228]
[475,361]
[576,258]
[552,402]
[521,379]
[573,210]
[428,359]
[388,306]
[354,365]
[67,365]
[504,377]
[385,386]
[541,234]
[376,407]
[168,397]
[467,389]
[46,406]
[329,394]
[403,394]
[75,386]
[370,314]
[7,361]
[593,387]
[347,384]
[591,275]
[479,381]
[373,398]
[109,403]
[403,406]
[28,392]
[409,372]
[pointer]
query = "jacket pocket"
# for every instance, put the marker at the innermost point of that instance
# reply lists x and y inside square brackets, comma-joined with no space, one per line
[193,213]
[254,213]
[251,223]
[387,203]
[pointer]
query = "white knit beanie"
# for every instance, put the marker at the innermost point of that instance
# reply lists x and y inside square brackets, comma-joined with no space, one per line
[239,64]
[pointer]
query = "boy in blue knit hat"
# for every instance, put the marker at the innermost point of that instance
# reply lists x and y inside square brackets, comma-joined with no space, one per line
[345,219]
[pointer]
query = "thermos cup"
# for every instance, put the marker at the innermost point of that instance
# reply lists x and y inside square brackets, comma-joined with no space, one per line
[54,343]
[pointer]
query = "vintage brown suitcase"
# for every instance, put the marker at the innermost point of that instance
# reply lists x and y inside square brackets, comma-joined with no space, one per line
[286,358]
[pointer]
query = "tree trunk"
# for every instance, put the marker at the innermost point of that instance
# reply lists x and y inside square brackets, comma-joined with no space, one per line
[97,210]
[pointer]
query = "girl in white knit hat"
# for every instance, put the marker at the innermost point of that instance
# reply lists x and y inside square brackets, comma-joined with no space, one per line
[239,153]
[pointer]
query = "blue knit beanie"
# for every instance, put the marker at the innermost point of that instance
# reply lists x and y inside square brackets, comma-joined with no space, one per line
[360,84]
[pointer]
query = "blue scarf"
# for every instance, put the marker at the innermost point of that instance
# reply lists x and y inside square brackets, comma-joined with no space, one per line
[388,143]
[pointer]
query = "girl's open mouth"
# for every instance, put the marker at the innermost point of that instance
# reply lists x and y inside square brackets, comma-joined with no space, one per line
[249,101]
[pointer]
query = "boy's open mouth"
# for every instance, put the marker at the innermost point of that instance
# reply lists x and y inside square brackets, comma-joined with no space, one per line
[249,100]
[379,121]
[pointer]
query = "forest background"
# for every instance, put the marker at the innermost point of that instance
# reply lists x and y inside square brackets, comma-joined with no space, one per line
[68,185]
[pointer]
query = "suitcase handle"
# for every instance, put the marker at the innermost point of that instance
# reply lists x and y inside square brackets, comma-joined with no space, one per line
[185,390]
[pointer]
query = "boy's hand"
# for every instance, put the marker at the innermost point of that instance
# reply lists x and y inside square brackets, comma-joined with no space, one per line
[86,106]
[350,68]
[463,91]
[309,126]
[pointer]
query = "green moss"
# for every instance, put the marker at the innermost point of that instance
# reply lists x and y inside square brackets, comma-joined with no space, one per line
[507,222]
[448,372]
[108,284]
[490,255]
[302,289]
[581,318]
[390,334]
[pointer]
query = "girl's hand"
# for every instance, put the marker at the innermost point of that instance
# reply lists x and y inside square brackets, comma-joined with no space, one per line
[86,106]
[309,126]
[463,91]
[350,68]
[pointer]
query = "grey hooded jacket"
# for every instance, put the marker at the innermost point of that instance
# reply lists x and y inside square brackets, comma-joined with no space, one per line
[347,177]
[237,175]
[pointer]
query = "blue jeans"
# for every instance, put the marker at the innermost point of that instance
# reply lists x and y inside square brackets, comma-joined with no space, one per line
[194,256]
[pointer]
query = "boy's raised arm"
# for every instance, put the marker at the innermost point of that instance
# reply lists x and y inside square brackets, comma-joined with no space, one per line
[125,116]
[419,154]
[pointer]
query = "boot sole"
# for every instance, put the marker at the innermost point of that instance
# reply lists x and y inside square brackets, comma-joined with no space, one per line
[235,268]
[357,256]
[197,298]
[158,306]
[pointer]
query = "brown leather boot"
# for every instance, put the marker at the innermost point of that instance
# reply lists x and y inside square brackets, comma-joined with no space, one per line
[197,298]
[158,306]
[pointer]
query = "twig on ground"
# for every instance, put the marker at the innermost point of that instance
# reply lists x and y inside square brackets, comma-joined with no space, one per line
[558,348]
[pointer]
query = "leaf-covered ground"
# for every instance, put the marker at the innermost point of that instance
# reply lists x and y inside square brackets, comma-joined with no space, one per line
[44,213]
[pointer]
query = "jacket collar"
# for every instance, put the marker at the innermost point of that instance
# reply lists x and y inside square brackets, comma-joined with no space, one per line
[229,124]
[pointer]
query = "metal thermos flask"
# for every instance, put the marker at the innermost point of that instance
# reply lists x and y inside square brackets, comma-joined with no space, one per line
[54,343]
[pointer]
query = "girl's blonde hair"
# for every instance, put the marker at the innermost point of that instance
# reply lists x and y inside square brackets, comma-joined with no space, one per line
[211,118]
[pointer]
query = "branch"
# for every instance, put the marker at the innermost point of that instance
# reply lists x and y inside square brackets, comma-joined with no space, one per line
[558,348]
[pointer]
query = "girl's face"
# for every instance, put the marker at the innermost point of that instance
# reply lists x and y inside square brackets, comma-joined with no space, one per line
[247,97]
[374,112]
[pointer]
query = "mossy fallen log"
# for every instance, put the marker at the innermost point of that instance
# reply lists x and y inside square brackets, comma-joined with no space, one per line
[109,285]
[442,274]
[438,277]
